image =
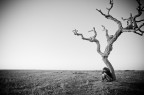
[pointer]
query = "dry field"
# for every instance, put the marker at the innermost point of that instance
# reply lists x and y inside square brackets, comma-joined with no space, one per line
[45,82]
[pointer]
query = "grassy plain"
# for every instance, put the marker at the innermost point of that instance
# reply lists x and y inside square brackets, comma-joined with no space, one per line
[57,82]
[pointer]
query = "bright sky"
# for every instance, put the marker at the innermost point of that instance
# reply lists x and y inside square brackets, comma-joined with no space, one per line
[37,34]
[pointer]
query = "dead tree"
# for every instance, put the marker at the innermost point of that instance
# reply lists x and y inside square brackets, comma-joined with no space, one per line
[133,25]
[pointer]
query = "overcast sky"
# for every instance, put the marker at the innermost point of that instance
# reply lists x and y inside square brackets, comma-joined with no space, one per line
[37,34]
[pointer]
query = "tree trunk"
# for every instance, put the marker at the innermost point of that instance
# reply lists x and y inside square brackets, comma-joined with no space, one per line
[108,64]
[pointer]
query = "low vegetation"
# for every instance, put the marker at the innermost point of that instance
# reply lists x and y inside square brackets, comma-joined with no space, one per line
[44,82]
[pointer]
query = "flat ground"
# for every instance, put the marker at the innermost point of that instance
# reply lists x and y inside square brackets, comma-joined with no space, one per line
[44,82]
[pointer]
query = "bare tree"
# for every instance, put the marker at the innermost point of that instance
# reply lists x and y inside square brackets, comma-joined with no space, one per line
[133,25]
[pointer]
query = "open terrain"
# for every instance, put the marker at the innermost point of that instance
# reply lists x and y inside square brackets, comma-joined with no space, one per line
[45,82]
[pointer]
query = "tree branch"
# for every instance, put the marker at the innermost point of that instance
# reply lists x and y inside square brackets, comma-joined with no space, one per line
[108,16]
[91,39]
[108,37]
[111,3]
[140,20]
[79,34]
[129,21]
[132,23]
[111,38]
